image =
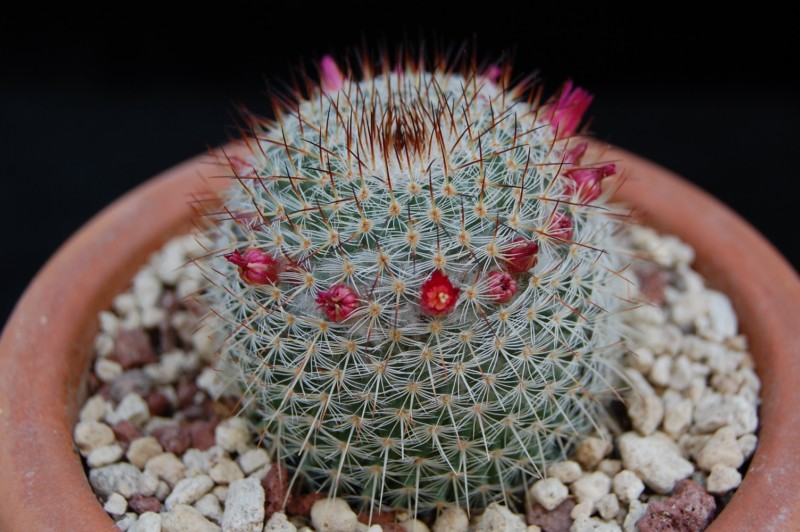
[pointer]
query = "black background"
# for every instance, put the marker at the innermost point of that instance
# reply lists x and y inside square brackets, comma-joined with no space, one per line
[88,109]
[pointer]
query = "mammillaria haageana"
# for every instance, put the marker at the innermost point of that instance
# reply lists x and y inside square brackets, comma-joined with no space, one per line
[423,283]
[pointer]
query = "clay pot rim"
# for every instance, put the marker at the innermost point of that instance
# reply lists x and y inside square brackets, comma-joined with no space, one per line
[42,482]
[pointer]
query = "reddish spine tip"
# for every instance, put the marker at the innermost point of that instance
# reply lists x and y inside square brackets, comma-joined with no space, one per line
[337,302]
[567,112]
[331,77]
[255,266]
[585,182]
[439,296]
[502,286]
[522,256]
[561,226]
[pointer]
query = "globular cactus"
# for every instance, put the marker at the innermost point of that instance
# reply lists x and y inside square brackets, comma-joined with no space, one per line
[419,282]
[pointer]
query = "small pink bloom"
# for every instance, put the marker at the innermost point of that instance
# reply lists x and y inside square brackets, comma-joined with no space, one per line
[337,302]
[521,257]
[561,226]
[255,266]
[493,73]
[438,296]
[568,110]
[575,155]
[502,286]
[331,77]
[586,181]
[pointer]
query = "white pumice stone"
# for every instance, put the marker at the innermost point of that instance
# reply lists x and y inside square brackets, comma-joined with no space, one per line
[189,490]
[722,479]
[116,504]
[148,522]
[332,515]
[184,518]
[627,486]
[497,517]
[208,505]
[607,506]
[591,450]
[166,467]
[567,471]
[143,449]
[105,455]
[722,448]
[92,434]
[252,460]
[233,434]
[645,408]
[656,459]
[244,506]
[591,487]
[279,523]
[452,519]
[549,492]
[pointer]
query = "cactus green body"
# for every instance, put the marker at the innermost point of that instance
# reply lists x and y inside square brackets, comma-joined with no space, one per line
[374,187]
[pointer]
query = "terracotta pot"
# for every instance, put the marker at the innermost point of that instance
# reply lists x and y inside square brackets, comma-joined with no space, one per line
[46,347]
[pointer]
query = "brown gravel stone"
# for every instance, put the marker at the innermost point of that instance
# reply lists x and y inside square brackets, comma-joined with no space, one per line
[202,411]
[94,383]
[691,509]
[185,390]
[202,433]
[301,504]
[394,527]
[653,280]
[126,432]
[557,520]
[173,438]
[133,349]
[378,518]
[276,485]
[140,504]
[159,404]
[132,381]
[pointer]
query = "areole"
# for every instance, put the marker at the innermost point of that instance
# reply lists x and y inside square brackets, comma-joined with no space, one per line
[46,349]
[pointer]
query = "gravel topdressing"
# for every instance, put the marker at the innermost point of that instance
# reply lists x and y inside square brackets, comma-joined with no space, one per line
[163,452]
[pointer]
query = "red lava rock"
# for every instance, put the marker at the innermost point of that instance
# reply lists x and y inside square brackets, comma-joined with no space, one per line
[202,433]
[691,509]
[141,504]
[159,404]
[301,505]
[173,438]
[94,383]
[276,487]
[167,337]
[126,432]
[133,349]
[556,520]
[201,411]
[394,527]
[652,280]
[132,381]
[378,518]
[170,302]
[185,390]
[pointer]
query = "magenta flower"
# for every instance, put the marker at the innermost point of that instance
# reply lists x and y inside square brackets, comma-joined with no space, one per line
[575,155]
[439,296]
[568,110]
[521,257]
[585,182]
[502,286]
[331,77]
[337,302]
[255,266]
[561,226]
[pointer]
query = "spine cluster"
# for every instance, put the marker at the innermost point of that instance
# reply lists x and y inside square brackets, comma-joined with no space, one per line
[418,279]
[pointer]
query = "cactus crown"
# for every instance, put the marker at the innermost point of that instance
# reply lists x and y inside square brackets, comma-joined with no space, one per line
[421,289]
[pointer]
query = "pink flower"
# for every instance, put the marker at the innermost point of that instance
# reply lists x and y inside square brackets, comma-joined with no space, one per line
[493,73]
[561,226]
[568,110]
[502,286]
[337,302]
[586,181]
[575,155]
[521,257]
[438,296]
[255,266]
[331,77]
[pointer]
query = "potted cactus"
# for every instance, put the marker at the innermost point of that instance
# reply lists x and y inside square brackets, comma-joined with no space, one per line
[421,292]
